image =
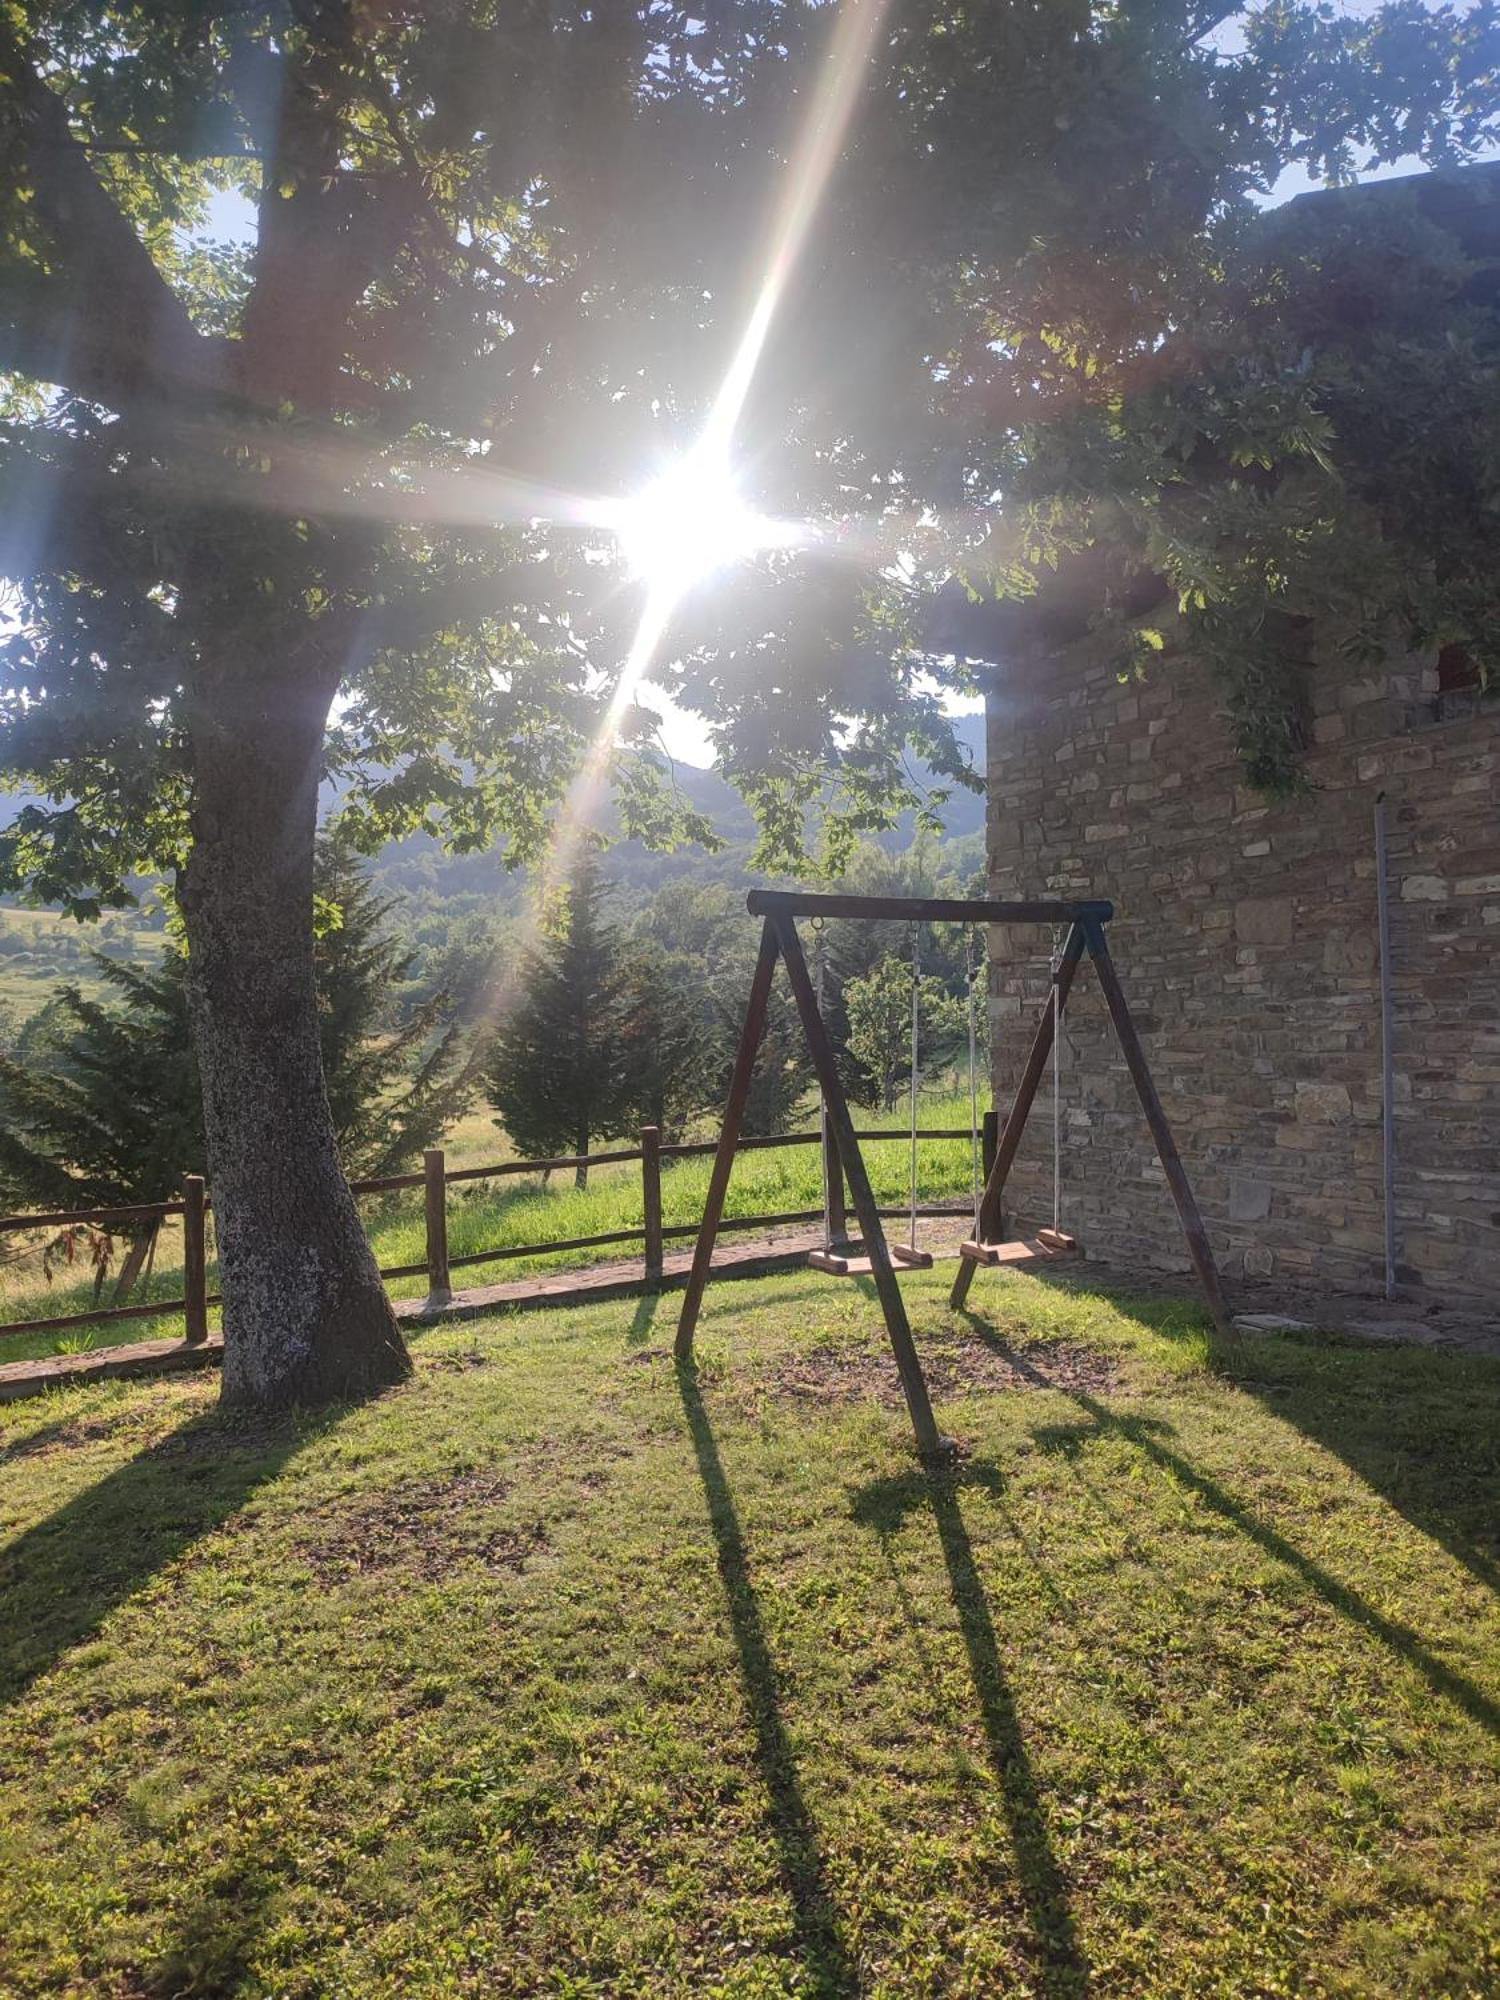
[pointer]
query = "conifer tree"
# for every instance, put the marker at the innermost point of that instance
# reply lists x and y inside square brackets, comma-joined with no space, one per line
[670,1040]
[101,1107]
[558,1070]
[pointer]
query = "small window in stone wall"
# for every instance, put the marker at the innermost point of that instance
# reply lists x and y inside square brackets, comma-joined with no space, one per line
[1458,670]
[1461,687]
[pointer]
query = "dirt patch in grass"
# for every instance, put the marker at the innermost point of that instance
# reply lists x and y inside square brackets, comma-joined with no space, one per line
[857,1375]
[429,1528]
[452,1364]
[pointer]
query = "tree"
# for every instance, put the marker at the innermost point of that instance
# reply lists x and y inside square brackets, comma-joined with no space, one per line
[252,494]
[879,1010]
[670,1049]
[394,1086]
[558,1068]
[101,1105]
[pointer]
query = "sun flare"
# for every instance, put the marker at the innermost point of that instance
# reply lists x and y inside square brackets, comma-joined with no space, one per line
[691,522]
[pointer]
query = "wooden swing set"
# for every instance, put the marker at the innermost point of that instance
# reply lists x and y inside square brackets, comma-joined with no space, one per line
[1083,924]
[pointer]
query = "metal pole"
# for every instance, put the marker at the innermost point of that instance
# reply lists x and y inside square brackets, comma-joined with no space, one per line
[1387,1080]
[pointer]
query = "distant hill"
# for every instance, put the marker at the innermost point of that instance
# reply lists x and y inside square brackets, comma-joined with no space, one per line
[447,887]
[420,867]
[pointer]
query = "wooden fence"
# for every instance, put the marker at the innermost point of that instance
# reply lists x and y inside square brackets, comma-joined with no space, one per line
[435,1179]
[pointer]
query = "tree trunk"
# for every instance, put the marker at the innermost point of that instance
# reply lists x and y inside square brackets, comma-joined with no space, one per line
[581,1173]
[306,1318]
[135,1258]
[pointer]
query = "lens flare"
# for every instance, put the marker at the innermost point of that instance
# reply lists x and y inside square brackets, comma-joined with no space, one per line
[691,522]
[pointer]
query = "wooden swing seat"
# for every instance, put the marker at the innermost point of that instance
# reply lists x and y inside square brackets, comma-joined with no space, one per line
[1048,1246]
[849,1261]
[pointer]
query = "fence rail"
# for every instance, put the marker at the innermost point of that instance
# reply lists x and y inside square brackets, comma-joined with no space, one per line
[435,1179]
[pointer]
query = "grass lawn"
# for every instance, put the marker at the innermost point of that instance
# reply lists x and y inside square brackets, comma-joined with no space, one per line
[554,1674]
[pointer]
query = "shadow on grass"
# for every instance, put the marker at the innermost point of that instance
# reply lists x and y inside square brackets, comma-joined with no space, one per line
[61,1579]
[1420,1426]
[1061,1969]
[1149,1437]
[215,1936]
[819,1943]
[643,1319]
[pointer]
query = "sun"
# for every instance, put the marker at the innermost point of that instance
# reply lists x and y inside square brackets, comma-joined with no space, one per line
[691,522]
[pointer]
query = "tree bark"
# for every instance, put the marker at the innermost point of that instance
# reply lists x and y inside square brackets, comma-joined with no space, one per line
[581,1173]
[135,1258]
[306,1318]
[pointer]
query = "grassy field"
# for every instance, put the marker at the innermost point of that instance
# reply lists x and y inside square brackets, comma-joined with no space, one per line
[556,1673]
[487,1216]
[55,951]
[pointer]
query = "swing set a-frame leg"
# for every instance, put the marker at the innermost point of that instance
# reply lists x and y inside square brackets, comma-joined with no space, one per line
[991,1202]
[930,1441]
[1089,935]
[1198,1245]
[729,1139]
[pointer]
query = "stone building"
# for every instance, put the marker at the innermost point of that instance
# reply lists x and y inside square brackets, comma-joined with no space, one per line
[1246,938]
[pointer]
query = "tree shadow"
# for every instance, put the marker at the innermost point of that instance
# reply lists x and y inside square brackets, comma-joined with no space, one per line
[819,1943]
[211,1950]
[1060,1966]
[60,1579]
[1149,1437]
[1419,1426]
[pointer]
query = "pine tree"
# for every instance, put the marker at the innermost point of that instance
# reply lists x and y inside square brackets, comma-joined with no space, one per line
[101,1106]
[392,1089]
[558,1068]
[670,1040]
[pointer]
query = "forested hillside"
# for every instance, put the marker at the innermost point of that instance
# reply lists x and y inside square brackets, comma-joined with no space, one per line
[456,913]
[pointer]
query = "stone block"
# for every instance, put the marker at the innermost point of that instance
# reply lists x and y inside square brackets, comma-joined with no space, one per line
[1323,1103]
[1249,1200]
[1263,920]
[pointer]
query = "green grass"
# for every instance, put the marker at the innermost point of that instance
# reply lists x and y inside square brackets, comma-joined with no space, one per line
[493,1215]
[553,1673]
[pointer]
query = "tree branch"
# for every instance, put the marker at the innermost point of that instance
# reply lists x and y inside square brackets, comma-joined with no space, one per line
[104,276]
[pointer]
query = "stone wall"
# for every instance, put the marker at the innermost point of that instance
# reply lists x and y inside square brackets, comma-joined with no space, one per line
[1246,941]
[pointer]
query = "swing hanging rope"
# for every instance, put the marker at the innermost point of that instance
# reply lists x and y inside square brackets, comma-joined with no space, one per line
[916,1005]
[972,963]
[1056,1083]
[820,957]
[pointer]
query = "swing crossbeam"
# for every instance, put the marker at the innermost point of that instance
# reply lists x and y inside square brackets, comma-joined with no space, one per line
[1085,922]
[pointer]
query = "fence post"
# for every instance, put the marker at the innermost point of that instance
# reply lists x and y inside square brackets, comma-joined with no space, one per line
[989,1140]
[439,1282]
[651,1190]
[194,1262]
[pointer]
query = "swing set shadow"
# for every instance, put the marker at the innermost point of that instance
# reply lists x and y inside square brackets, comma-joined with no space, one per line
[1085,935]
